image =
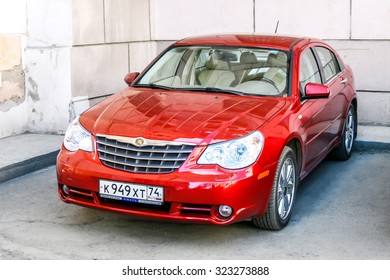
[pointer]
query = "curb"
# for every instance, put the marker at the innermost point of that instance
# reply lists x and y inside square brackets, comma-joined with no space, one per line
[365,146]
[27,166]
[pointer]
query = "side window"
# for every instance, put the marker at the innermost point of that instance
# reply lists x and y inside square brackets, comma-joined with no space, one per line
[309,71]
[329,62]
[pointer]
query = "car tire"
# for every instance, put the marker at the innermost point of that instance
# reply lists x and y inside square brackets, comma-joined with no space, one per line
[344,149]
[282,195]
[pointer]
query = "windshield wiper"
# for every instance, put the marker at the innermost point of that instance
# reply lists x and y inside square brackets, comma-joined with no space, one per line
[204,89]
[215,89]
[154,86]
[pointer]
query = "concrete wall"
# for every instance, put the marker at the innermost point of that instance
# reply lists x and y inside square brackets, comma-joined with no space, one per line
[47,64]
[57,57]
[35,43]
[110,39]
[13,114]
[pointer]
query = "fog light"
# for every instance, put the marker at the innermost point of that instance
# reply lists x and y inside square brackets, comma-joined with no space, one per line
[225,211]
[65,189]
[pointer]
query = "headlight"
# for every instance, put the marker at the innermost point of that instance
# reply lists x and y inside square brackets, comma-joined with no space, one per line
[234,154]
[76,137]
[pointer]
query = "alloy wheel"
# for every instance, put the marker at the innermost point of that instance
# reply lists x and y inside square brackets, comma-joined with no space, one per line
[349,131]
[286,188]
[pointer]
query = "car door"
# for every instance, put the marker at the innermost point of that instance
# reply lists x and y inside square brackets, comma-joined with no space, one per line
[313,116]
[333,77]
[321,118]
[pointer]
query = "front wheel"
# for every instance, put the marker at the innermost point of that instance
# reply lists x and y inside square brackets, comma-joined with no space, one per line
[282,196]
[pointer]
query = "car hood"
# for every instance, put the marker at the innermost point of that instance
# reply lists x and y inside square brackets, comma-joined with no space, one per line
[191,117]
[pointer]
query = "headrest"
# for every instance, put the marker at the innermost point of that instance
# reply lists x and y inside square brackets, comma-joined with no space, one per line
[218,60]
[248,58]
[277,60]
[212,61]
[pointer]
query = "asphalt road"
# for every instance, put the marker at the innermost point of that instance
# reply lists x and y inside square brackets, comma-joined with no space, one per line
[342,212]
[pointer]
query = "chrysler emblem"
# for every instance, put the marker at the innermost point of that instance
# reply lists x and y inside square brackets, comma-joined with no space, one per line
[139,142]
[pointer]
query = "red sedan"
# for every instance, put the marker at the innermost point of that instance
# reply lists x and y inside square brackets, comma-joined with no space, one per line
[217,129]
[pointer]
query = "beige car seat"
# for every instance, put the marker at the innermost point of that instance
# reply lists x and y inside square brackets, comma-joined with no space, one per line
[216,74]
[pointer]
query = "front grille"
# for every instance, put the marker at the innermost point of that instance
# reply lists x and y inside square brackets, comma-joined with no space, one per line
[154,158]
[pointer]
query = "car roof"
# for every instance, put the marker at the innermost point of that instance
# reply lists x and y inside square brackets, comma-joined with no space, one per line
[277,41]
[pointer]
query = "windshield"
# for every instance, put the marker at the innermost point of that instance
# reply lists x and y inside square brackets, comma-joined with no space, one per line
[240,70]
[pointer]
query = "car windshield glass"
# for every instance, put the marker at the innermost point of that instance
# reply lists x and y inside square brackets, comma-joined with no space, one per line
[235,70]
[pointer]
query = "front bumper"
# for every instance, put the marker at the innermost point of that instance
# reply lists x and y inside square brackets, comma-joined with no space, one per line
[193,193]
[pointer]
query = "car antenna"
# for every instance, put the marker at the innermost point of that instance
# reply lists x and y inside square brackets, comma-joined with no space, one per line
[277,26]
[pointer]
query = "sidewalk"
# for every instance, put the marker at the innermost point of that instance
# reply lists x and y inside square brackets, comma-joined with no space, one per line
[25,153]
[373,138]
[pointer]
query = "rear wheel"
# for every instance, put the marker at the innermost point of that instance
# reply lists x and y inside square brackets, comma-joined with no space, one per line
[344,150]
[282,195]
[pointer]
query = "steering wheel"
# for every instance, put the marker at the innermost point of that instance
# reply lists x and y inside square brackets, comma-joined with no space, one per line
[270,82]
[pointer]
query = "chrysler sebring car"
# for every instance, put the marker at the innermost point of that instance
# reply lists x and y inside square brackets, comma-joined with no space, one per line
[217,129]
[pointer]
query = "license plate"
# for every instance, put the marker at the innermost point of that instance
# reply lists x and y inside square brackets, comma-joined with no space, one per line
[131,192]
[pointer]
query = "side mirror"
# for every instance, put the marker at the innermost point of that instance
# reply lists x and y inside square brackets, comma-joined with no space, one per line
[313,91]
[130,78]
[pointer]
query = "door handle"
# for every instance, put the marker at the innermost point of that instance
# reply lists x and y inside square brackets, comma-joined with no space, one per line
[344,80]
